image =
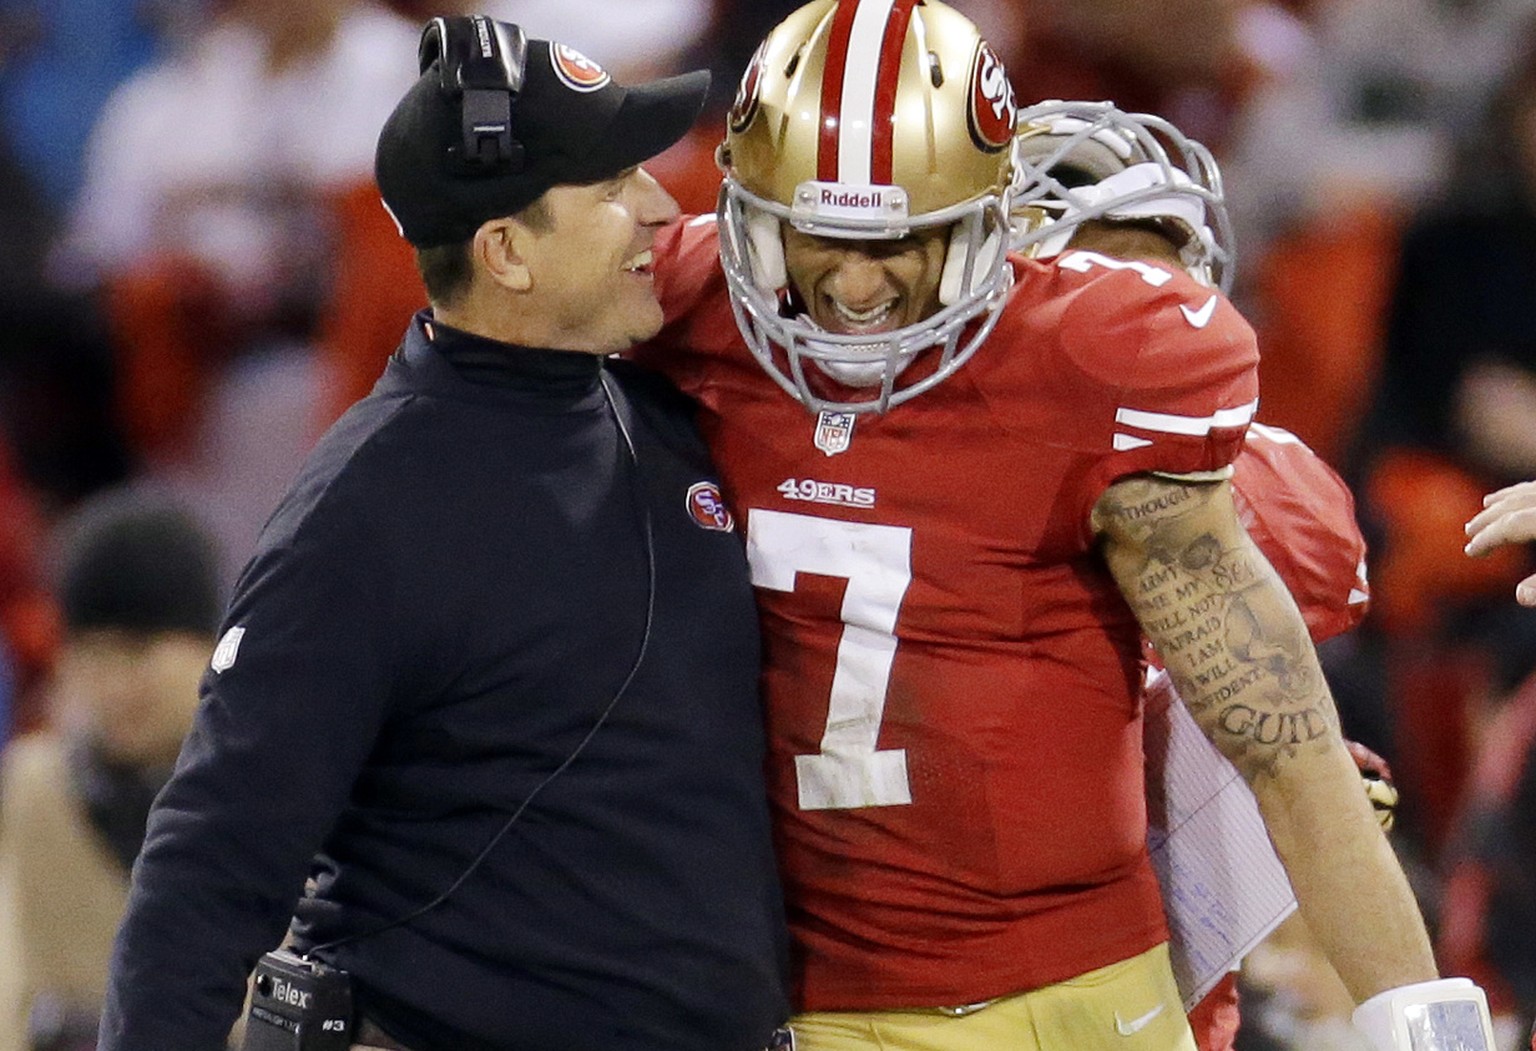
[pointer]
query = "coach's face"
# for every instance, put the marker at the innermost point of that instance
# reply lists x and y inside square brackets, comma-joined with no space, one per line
[590,267]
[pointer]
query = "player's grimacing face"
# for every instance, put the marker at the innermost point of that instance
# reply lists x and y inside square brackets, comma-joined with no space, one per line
[855,287]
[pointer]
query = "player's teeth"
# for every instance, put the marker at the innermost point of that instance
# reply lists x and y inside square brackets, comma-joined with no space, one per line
[639,261]
[862,316]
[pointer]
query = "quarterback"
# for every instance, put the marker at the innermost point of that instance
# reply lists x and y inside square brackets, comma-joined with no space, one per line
[969,482]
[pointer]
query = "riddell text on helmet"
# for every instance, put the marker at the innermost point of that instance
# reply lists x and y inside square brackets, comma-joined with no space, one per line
[850,199]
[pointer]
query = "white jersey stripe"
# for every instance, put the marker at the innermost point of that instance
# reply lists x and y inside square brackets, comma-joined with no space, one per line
[1126,442]
[856,121]
[1172,423]
[1278,435]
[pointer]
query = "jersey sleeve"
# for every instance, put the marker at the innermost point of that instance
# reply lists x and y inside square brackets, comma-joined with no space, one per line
[1302,516]
[1167,364]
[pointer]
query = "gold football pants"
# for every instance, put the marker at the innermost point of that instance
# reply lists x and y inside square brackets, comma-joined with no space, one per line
[1132,1005]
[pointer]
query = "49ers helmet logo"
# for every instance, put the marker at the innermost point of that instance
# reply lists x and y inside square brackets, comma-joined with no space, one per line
[993,111]
[745,106]
[578,71]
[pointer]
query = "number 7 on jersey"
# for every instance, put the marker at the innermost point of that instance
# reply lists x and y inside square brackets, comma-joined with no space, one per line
[876,560]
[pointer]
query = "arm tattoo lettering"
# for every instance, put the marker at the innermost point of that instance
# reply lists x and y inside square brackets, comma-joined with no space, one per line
[1219,617]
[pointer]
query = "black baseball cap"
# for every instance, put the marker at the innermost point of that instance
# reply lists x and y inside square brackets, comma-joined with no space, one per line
[574,123]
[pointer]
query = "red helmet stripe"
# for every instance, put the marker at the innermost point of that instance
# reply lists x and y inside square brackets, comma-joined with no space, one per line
[884,119]
[832,91]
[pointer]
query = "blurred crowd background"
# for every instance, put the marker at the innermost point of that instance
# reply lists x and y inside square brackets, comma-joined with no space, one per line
[197,277]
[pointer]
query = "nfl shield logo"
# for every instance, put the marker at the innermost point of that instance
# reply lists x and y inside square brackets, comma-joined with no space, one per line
[227,650]
[834,430]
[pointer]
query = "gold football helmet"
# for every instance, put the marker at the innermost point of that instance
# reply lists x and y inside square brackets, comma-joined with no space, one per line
[1076,161]
[868,119]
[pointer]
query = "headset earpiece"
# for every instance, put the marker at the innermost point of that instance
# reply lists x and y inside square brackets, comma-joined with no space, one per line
[481,63]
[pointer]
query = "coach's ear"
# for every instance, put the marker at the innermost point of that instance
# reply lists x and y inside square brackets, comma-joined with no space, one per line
[501,249]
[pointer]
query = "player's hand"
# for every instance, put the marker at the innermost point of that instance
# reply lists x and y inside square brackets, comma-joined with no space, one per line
[1377,778]
[1508,517]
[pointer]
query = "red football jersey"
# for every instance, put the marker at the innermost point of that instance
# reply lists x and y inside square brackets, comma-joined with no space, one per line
[950,674]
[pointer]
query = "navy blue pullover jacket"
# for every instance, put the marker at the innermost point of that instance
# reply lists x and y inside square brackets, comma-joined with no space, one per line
[437,614]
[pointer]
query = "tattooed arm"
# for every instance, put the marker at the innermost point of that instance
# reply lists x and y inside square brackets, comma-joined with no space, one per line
[1239,653]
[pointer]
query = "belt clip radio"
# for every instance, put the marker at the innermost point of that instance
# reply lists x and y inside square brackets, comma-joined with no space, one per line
[298,1004]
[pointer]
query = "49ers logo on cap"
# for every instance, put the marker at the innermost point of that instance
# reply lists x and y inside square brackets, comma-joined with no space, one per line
[578,71]
[745,106]
[707,507]
[993,110]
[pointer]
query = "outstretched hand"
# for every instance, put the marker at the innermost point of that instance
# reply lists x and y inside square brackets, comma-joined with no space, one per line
[1508,517]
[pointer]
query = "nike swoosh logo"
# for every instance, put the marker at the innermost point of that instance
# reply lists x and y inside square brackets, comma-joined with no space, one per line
[1136,1025]
[1202,317]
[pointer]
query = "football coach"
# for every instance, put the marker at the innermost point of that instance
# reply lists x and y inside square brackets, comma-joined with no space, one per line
[481,733]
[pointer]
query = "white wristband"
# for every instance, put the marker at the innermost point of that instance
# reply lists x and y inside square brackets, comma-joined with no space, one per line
[1447,1014]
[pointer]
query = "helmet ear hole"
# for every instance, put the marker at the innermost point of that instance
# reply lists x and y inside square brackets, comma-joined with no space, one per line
[765,249]
[962,261]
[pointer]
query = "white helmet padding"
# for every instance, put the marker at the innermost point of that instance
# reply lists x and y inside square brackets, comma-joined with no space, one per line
[765,247]
[971,256]
[1122,194]
[1141,192]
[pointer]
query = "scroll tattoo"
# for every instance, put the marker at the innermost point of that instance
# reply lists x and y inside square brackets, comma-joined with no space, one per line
[1220,619]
